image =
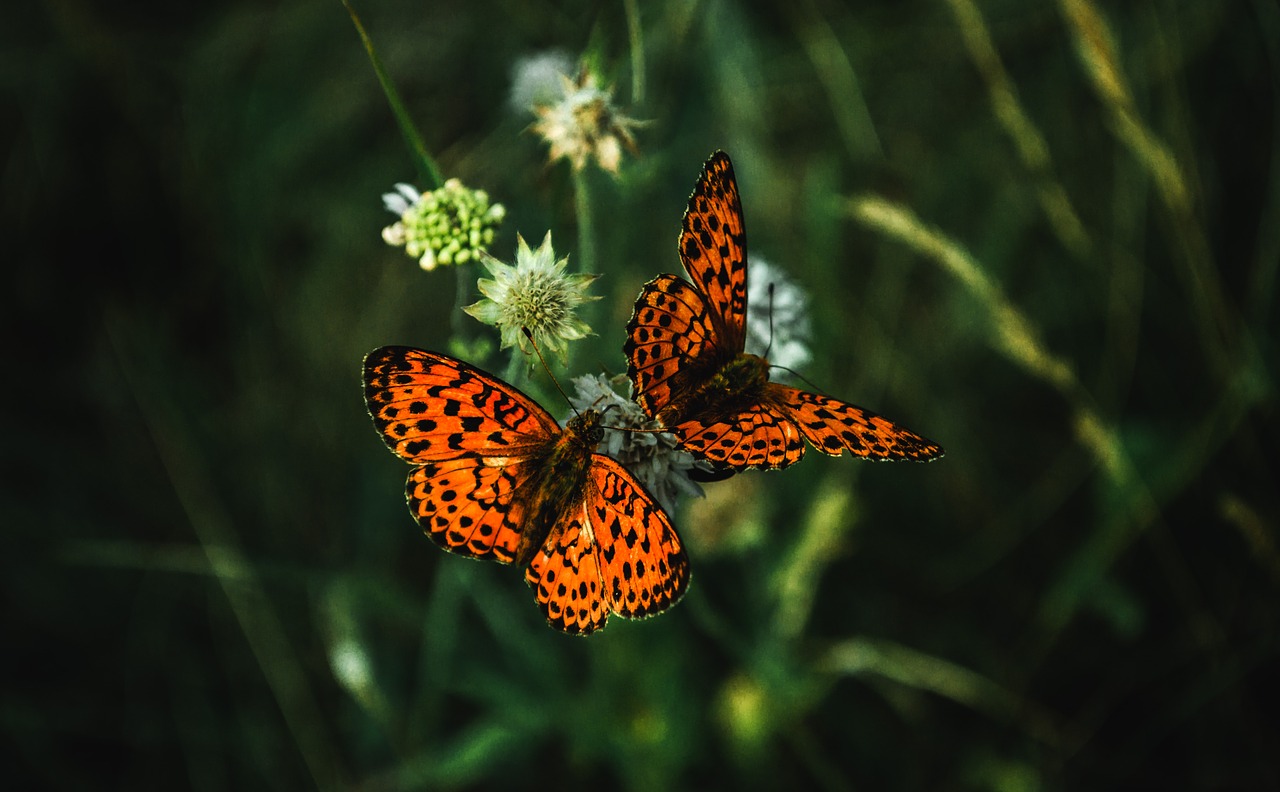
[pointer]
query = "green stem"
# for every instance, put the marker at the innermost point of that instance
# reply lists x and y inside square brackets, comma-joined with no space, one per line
[426,165]
[461,296]
[636,35]
[586,238]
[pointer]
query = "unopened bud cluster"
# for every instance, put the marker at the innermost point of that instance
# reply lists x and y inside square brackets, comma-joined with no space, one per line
[451,225]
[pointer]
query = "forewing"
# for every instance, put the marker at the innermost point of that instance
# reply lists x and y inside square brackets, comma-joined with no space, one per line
[466,507]
[671,340]
[833,427]
[470,435]
[430,407]
[757,437]
[713,247]
[565,578]
[642,563]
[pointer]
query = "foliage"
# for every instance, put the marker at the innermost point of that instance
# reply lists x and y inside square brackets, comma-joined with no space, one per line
[1044,234]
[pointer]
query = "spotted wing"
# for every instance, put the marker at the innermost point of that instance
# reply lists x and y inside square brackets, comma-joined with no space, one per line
[759,436]
[672,344]
[470,435]
[466,507]
[642,563]
[619,553]
[833,427]
[565,578]
[430,407]
[713,247]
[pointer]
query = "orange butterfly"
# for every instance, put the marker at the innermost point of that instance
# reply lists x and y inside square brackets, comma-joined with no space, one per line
[685,356]
[496,478]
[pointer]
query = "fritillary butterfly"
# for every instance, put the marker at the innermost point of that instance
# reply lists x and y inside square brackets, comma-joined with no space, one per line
[685,356]
[496,478]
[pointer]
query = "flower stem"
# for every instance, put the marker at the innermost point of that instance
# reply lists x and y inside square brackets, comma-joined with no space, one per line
[461,294]
[586,236]
[636,34]
[426,165]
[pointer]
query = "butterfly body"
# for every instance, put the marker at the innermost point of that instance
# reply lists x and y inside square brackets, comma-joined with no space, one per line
[734,386]
[494,477]
[687,361]
[556,483]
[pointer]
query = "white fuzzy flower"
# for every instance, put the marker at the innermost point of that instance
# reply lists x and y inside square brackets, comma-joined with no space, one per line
[535,294]
[787,311]
[652,457]
[539,79]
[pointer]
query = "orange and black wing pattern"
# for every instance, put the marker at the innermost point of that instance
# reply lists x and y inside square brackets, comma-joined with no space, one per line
[617,553]
[681,334]
[483,454]
[713,247]
[686,359]
[470,437]
[758,436]
[672,346]
[834,427]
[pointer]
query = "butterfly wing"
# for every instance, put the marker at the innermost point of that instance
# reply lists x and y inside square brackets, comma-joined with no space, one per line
[465,506]
[642,563]
[470,435]
[713,247]
[681,335]
[833,427]
[619,553]
[759,436]
[565,578]
[672,344]
[427,407]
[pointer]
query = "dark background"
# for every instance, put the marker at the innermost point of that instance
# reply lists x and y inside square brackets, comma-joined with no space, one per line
[201,525]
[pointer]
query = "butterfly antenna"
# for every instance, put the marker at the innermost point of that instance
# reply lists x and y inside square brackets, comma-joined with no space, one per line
[770,344]
[605,410]
[554,381]
[800,376]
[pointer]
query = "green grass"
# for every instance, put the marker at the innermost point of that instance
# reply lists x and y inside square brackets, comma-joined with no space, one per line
[1045,235]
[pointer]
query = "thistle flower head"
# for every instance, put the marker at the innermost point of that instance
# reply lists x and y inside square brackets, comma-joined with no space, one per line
[585,123]
[451,225]
[782,318]
[536,294]
[651,457]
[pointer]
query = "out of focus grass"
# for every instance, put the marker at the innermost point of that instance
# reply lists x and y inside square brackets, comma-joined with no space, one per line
[1044,234]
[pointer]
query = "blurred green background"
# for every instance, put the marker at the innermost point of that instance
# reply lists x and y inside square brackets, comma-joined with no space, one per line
[1044,234]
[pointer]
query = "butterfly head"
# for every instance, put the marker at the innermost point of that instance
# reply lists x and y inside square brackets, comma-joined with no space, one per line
[585,428]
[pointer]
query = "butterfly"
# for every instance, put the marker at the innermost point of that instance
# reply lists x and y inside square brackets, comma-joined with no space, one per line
[686,357]
[495,477]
